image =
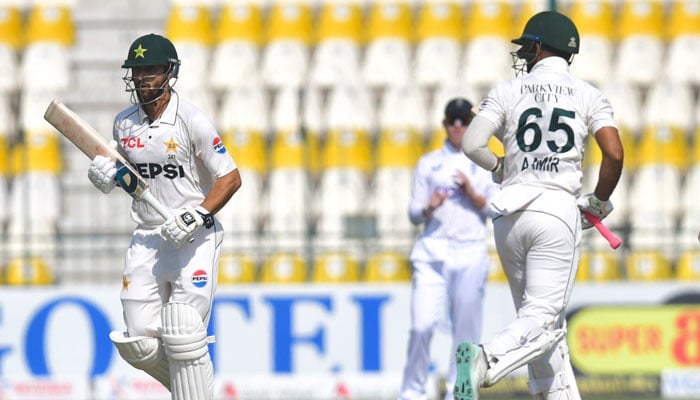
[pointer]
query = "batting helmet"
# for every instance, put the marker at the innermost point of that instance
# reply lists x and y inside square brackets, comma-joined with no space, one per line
[553,30]
[150,50]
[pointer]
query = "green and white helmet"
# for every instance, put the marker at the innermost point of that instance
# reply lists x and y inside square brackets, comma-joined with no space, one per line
[150,50]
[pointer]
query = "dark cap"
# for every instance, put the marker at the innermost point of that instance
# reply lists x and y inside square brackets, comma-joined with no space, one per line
[458,108]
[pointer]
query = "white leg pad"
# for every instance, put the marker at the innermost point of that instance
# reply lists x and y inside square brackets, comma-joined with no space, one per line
[145,353]
[185,340]
[522,355]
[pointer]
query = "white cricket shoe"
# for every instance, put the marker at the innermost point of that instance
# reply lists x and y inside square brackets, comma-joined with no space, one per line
[471,369]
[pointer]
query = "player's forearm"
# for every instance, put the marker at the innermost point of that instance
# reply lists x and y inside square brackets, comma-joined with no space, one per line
[221,191]
[475,143]
[611,165]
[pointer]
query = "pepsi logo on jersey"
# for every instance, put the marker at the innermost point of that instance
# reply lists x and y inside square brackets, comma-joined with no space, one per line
[218,145]
[200,278]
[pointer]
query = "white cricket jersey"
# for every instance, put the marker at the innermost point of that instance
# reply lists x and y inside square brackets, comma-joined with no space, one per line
[457,218]
[180,155]
[543,119]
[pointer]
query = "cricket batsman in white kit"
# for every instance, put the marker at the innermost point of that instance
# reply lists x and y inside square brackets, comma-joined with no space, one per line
[543,119]
[171,265]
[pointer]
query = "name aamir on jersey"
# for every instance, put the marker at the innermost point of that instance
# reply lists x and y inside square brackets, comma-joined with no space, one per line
[549,164]
[546,92]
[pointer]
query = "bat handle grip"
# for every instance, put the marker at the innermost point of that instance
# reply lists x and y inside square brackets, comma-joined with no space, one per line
[162,209]
[614,241]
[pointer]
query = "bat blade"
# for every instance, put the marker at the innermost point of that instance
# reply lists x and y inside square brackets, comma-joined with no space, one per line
[614,241]
[90,142]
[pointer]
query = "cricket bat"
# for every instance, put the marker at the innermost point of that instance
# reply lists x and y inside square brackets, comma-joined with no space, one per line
[614,241]
[90,142]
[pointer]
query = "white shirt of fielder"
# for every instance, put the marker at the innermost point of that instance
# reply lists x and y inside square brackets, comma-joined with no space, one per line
[180,155]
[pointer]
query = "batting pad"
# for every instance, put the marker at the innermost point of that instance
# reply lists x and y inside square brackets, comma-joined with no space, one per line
[522,355]
[185,340]
[145,353]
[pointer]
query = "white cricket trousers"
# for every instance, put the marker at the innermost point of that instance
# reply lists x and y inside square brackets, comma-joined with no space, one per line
[156,272]
[539,251]
[455,288]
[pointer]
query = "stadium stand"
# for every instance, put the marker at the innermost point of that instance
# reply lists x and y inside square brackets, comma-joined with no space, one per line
[688,267]
[335,267]
[237,268]
[284,267]
[378,70]
[387,266]
[599,266]
[647,265]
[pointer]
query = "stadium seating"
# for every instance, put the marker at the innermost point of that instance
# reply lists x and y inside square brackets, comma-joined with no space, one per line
[283,268]
[647,265]
[683,35]
[23,271]
[640,41]
[387,59]
[488,31]
[688,267]
[496,273]
[594,20]
[387,266]
[237,43]
[599,266]
[11,30]
[236,268]
[338,35]
[335,267]
[438,43]
[285,58]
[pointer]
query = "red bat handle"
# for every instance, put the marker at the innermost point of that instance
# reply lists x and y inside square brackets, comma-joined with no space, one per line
[614,241]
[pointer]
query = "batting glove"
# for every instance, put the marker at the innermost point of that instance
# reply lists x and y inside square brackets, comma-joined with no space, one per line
[180,228]
[101,173]
[497,171]
[592,204]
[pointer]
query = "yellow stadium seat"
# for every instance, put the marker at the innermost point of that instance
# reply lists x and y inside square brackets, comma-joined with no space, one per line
[490,18]
[289,21]
[593,17]
[598,266]
[339,21]
[248,148]
[289,149]
[399,147]
[347,148]
[284,268]
[389,20]
[28,271]
[5,163]
[640,17]
[688,267]
[40,152]
[387,266]
[647,265]
[593,155]
[662,144]
[335,267]
[496,273]
[242,22]
[683,19]
[237,268]
[439,20]
[11,26]
[50,24]
[189,24]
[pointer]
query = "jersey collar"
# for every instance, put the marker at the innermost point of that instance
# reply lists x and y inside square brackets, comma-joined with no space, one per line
[552,63]
[169,114]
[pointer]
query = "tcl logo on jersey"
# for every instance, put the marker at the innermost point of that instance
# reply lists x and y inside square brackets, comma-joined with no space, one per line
[151,170]
[218,145]
[132,143]
[200,278]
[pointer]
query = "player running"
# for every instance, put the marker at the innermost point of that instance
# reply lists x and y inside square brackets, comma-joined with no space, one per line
[170,269]
[543,119]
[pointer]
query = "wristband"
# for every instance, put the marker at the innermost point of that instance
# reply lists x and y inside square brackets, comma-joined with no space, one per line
[206,216]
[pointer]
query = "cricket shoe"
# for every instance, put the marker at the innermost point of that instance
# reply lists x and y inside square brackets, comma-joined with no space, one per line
[471,369]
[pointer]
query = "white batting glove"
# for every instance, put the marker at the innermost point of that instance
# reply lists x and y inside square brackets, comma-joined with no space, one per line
[180,228]
[497,171]
[592,204]
[101,173]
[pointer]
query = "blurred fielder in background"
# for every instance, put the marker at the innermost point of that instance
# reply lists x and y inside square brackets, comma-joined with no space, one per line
[170,269]
[450,259]
[543,119]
